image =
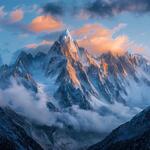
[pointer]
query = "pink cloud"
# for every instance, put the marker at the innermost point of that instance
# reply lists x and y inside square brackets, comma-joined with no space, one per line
[17,15]
[45,23]
[35,45]
[99,39]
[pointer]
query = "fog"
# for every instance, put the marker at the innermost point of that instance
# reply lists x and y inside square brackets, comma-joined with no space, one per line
[103,119]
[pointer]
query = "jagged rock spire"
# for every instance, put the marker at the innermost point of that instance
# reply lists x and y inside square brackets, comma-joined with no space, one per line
[65,36]
[67,42]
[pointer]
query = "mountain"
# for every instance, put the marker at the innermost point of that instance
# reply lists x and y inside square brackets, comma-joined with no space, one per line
[12,134]
[18,132]
[77,76]
[132,135]
[74,92]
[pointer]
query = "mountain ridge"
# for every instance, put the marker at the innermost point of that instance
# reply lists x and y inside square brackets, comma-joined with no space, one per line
[75,84]
[131,135]
[104,77]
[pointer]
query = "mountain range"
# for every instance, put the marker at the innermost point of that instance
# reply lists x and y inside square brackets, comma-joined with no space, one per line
[68,98]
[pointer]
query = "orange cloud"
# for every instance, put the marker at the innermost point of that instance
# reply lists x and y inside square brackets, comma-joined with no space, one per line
[92,30]
[100,39]
[45,42]
[44,23]
[35,45]
[17,15]
[32,45]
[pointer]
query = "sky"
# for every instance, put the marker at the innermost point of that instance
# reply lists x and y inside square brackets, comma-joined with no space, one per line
[98,25]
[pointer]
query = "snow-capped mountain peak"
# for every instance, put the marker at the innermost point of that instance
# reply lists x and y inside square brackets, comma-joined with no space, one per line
[65,36]
[67,42]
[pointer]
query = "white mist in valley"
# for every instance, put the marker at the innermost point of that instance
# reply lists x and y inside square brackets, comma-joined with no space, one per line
[34,106]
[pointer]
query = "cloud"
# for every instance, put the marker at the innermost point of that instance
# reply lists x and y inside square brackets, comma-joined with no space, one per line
[2,12]
[32,106]
[32,45]
[45,23]
[53,8]
[63,7]
[119,27]
[17,15]
[12,20]
[21,100]
[93,29]
[98,39]
[102,8]
[37,25]
[108,8]
[100,120]
[35,45]
[34,48]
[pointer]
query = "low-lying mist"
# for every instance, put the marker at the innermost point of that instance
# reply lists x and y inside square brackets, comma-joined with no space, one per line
[101,120]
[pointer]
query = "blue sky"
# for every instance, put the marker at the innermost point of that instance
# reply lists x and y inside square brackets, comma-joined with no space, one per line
[20,30]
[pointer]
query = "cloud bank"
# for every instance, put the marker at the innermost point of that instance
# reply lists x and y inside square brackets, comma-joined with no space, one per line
[12,21]
[99,39]
[35,107]
[106,8]
[102,8]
